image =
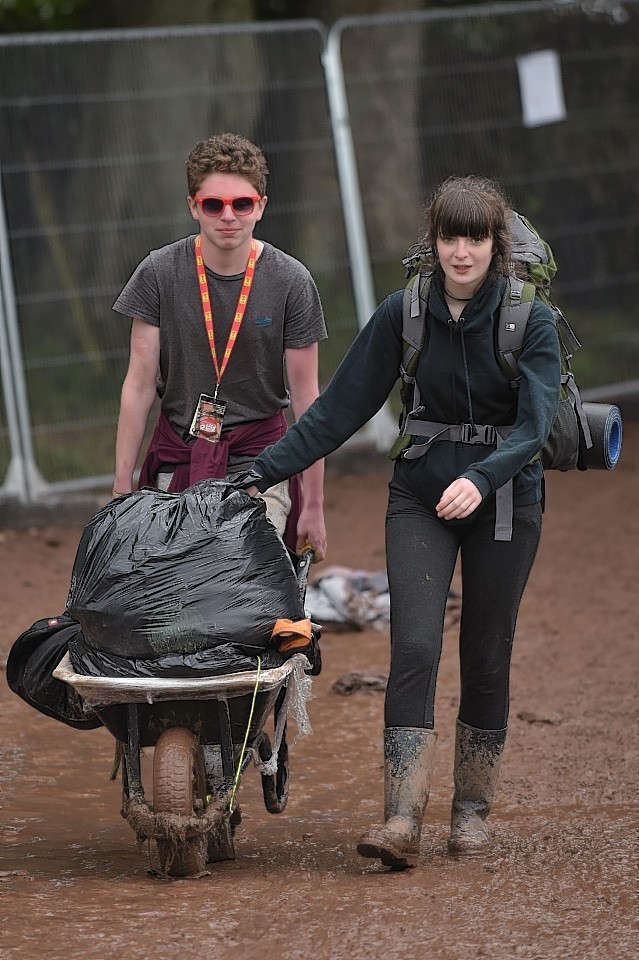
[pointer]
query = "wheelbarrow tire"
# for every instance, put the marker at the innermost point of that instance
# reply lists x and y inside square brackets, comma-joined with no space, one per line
[179,788]
[274,787]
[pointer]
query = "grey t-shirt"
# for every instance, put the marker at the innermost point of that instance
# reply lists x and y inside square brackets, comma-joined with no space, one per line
[283,310]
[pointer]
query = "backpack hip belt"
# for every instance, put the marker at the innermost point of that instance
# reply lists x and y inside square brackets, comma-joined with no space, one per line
[460,432]
[485,434]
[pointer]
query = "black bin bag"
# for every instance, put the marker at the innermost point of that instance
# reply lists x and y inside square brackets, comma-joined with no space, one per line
[30,665]
[167,579]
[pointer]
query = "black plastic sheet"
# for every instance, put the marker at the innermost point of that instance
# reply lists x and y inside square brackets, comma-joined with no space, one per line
[158,574]
[213,662]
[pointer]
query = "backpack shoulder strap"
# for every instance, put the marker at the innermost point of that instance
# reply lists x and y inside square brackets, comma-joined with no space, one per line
[414,309]
[414,322]
[513,318]
[413,336]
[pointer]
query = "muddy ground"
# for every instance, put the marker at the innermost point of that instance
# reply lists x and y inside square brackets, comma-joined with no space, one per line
[560,881]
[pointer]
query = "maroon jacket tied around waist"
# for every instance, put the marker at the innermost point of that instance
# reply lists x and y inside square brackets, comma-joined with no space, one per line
[203,460]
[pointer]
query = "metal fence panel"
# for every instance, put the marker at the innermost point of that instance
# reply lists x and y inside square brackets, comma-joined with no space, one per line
[96,128]
[437,93]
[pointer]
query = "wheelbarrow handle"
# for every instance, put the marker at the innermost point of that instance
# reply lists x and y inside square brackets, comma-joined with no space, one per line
[303,567]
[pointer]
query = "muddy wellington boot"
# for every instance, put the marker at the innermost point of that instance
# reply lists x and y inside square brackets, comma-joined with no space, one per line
[477,758]
[409,755]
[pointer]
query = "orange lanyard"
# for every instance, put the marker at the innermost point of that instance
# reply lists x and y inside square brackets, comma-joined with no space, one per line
[239,310]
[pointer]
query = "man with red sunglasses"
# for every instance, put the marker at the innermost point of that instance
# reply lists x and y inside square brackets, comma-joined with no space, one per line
[217,316]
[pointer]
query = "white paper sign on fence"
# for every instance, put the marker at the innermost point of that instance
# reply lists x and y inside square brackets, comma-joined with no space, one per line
[541,88]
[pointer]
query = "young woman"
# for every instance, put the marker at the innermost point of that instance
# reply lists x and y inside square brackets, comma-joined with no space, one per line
[443,502]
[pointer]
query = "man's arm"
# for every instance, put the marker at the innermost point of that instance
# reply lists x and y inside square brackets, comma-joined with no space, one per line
[301,371]
[138,395]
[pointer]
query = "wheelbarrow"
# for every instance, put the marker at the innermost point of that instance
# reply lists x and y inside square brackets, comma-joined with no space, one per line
[205,732]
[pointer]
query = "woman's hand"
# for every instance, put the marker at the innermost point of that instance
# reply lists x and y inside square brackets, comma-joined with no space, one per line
[458,500]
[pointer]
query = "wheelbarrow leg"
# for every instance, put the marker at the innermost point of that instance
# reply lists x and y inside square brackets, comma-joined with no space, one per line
[132,771]
[220,766]
[226,741]
[132,789]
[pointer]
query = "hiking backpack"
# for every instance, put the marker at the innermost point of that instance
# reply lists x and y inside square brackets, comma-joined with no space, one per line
[570,437]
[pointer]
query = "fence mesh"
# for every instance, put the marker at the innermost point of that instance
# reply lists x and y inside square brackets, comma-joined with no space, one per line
[96,128]
[96,133]
[430,97]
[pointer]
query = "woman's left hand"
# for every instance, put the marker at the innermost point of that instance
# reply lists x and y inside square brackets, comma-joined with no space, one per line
[458,500]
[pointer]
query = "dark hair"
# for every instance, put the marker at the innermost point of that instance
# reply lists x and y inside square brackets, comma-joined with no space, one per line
[470,207]
[226,153]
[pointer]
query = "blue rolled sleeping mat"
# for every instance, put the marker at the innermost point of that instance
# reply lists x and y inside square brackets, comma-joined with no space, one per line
[606,430]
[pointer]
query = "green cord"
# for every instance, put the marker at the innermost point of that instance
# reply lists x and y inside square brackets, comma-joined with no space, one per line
[248,727]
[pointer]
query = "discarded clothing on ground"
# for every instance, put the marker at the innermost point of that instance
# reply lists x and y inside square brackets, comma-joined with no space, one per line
[359,682]
[343,599]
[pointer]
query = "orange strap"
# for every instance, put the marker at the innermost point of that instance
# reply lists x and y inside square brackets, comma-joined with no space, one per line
[291,634]
[239,310]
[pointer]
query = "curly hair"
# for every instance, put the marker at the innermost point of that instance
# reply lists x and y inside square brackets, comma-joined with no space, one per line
[469,207]
[226,153]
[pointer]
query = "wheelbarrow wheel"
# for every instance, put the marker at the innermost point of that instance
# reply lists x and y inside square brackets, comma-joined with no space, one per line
[274,787]
[179,788]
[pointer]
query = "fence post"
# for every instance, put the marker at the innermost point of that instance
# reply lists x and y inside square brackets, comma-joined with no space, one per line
[382,428]
[14,482]
[23,476]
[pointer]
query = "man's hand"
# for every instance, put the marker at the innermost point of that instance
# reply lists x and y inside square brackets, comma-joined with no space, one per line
[311,531]
[458,500]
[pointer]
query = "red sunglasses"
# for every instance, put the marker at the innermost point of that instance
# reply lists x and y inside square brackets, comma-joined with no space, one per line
[214,206]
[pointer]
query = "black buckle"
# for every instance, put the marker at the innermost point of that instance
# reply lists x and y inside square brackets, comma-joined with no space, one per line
[483,434]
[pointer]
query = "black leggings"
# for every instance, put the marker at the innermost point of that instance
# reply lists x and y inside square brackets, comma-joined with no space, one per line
[421,552]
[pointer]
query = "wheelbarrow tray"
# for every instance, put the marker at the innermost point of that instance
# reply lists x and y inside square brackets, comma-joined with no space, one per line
[182,702]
